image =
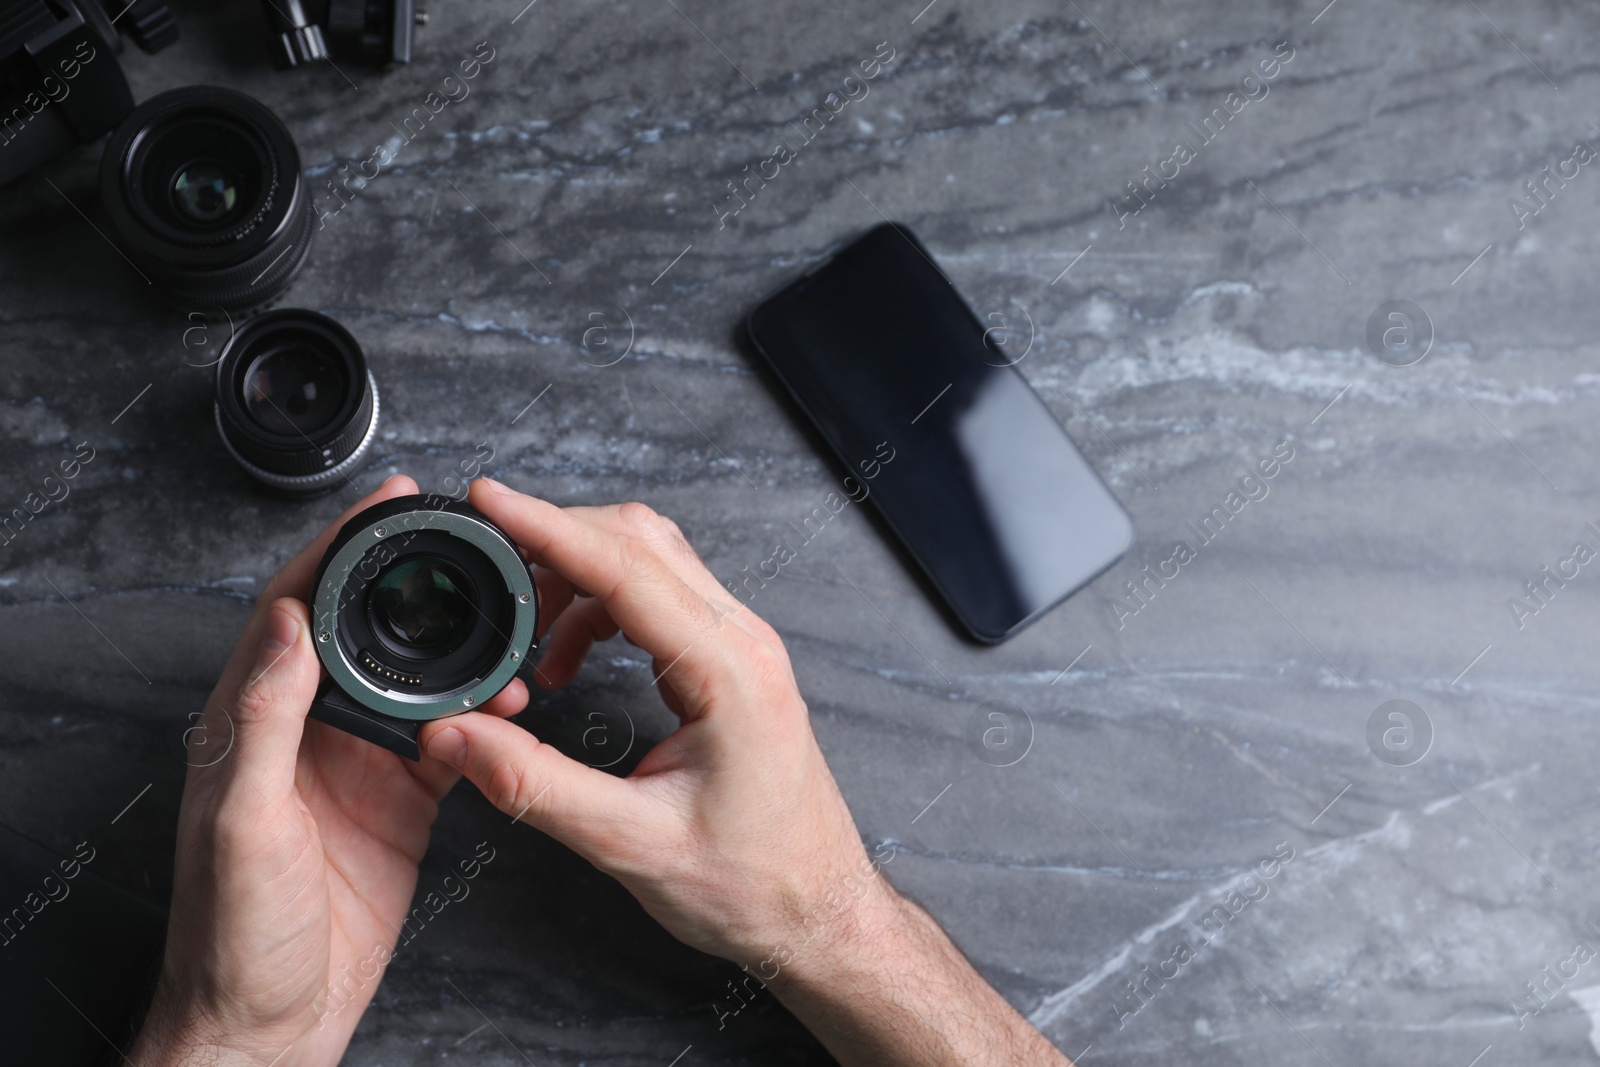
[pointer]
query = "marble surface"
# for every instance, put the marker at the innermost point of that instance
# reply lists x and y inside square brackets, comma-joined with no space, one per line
[579,185]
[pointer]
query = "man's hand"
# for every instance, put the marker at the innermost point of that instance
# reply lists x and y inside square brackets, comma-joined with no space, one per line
[731,832]
[297,853]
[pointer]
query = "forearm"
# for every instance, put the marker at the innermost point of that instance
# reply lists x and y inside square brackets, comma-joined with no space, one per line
[889,988]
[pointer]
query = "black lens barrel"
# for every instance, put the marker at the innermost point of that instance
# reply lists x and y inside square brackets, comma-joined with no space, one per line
[246,255]
[299,460]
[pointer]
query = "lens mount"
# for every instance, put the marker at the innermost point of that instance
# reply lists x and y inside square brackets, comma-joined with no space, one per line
[422,611]
[205,195]
[296,405]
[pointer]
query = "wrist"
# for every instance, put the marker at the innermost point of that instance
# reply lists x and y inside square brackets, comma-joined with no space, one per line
[855,929]
[889,988]
[176,1034]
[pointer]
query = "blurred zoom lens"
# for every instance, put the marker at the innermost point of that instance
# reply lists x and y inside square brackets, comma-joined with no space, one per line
[296,405]
[423,605]
[205,196]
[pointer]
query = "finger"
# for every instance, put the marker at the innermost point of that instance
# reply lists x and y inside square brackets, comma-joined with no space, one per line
[668,541]
[439,778]
[267,713]
[664,536]
[555,594]
[574,634]
[656,609]
[509,701]
[669,695]
[593,813]
[640,520]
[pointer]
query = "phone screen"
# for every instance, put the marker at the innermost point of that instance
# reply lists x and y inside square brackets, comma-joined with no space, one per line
[984,487]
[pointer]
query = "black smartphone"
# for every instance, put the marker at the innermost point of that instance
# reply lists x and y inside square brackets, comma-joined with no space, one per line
[983,487]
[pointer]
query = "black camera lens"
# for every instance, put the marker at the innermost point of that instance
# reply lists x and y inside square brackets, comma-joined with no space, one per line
[205,196]
[423,605]
[296,404]
[422,608]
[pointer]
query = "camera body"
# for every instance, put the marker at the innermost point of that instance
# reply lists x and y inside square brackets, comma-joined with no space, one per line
[60,82]
[420,610]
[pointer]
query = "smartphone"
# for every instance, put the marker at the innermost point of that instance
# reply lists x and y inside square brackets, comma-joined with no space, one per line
[983,486]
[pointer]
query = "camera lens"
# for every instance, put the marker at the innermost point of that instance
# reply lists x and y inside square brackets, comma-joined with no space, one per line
[423,608]
[205,196]
[296,405]
[423,605]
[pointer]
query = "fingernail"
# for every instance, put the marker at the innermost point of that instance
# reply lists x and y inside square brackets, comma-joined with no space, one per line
[495,487]
[449,746]
[283,631]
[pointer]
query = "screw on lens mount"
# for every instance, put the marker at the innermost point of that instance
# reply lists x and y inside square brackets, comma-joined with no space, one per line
[296,406]
[204,192]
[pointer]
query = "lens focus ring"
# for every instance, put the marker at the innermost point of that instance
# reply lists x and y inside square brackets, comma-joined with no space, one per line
[308,484]
[248,285]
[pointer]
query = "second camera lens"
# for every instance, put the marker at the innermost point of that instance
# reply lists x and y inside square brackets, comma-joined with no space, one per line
[296,405]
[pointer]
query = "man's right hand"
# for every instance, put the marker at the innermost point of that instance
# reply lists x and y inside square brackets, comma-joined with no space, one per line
[731,832]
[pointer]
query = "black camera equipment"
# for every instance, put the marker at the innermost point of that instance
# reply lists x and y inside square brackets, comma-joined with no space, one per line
[296,40]
[373,32]
[148,22]
[296,405]
[422,608]
[205,196]
[60,83]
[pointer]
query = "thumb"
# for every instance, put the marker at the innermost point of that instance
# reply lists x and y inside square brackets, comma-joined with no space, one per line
[591,812]
[269,713]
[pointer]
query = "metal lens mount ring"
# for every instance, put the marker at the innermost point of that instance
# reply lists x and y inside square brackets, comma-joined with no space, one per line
[381,525]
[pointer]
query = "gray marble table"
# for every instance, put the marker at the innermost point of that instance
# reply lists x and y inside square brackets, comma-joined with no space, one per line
[1219,846]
